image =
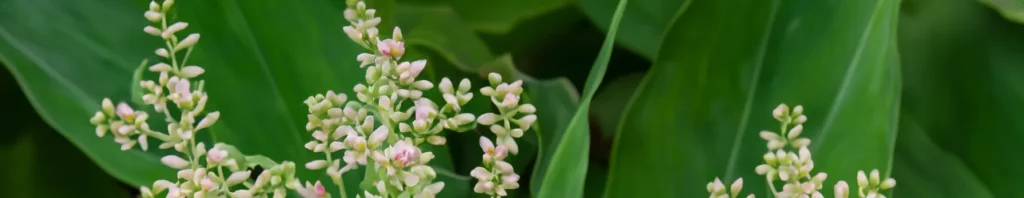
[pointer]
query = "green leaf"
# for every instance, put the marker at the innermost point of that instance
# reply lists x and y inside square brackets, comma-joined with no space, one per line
[923,169]
[610,102]
[566,174]
[646,20]
[558,101]
[257,75]
[1010,9]
[723,68]
[500,16]
[963,89]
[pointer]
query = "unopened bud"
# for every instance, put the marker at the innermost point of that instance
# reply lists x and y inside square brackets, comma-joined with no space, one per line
[736,187]
[316,164]
[780,112]
[874,178]
[192,71]
[887,184]
[396,34]
[162,52]
[842,189]
[446,86]
[174,161]
[160,67]
[527,108]
[424,85]
[494,79]
[189,41]
[862,179]
[436,140]
[208,120]
[153,16]
[152,30]
[795,132]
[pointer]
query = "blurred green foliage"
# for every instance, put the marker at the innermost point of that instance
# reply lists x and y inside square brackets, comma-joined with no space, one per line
[929,91]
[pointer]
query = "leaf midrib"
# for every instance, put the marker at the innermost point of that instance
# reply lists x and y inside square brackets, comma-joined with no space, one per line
[745,118]
[854,64]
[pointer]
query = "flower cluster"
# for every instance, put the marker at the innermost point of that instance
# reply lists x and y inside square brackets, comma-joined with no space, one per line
[200,172]
[382,129]
[795,168]
[393,98]
[782,163]
[496,175]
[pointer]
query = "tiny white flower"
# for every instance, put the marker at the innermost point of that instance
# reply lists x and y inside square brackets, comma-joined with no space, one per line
[216,155]
[404,153]
[189,41]
[174,161]
[392,48]
[842,190]
[510,101]
[209,120]
[526,121]
[192,71]
[487,119]
[316,164]
[153,16]
[162,52]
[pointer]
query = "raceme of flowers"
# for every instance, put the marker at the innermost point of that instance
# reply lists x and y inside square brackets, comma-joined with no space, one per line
[381,130]
[794,169]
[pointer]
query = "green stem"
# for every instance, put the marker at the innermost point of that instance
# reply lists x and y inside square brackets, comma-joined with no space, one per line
[337,180]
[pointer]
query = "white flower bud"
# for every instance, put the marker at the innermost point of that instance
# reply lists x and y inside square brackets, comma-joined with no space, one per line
[167,5]
[770,158]
[780,112]
[527,108]
[242,194]
[353,34]
[487,91]
[191,71]
[125,112]
[379,135]
[800,119]
[160,67]
[504,167]
[189,41]
[423,85]
[238,177]
[510,101]
[798,110]
[487,119]
[494,78]
[153,16]
[795,132]
[762,169]
[887,184]
[162,52]
[316,164]
[842,190]
[498,130]
[769,136]
[862,179]
[397,33]
[736,187]
[174,161]
[874,177]
[516,133]
[210,119]
[174,28]
[801,142]
[350,14]
[446,86]
[320,135]
[526,121]
[144,142]
[152,30]
[372,33]
[216,155]
[384,102]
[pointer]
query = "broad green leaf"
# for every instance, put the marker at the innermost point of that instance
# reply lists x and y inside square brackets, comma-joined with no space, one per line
[610,102]
[646,20]
[566,174]
[37,161]
[963,88]
[923,169]
[1010,9]
[69,55]
[556,101]
[439,29]
[725,65]
[496,16]
[65,63]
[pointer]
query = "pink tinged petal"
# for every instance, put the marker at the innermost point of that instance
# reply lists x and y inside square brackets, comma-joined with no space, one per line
[125,111]
[416,67]
[318,189]
[486,144]
[481,173]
